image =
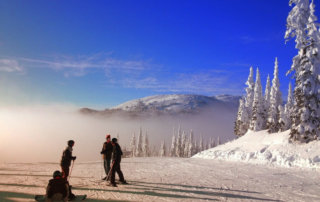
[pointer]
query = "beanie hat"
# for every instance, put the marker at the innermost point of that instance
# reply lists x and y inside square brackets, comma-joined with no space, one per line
[56,174]
[108,136]
[114,140]
[70,143]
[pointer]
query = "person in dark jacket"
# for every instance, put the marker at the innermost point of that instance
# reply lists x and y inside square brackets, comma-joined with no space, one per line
[107,153]
[116,159]
[58,188]
[66,159]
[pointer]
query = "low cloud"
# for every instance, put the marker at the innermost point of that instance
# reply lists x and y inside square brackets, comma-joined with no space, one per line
[10,65]
[40,133]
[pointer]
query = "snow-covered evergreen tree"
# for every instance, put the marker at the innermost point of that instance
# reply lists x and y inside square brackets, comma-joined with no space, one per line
[301,23]
[286,112]
[186,146]
[248,101]
[178,143]
[145,146]
[218,141]
[196,147]
[133,145]
[249,93]
[191,150]
[283,119]
[139,151]
[275,102]
[289,107]
[173,146]
[244,115]
[162,152]
[258,120]
[241,124]
[183,144]
[200,146]
[213,144]
[267,99]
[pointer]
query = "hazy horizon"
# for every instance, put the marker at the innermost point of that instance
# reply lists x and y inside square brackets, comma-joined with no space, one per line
[39,133]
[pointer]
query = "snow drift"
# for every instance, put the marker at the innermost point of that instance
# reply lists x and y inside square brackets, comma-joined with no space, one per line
[264,148]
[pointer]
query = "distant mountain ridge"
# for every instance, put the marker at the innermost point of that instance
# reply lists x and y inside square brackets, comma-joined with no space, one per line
[168,104]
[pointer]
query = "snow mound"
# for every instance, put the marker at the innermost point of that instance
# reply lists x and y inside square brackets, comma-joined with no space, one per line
[264,148]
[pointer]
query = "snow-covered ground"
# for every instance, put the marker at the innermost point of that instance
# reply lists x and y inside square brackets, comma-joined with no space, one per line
[264,148]
[168,179]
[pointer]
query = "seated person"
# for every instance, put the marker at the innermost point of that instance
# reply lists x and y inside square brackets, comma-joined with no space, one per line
[58,188]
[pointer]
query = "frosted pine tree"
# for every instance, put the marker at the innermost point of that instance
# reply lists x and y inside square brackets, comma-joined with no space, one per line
[218,141]
[267,99]
[200,146]
[173,147]
[178,143]
[241,124]
[186,147]
[139,151]
[248,101]
[183,144]
[145,146]
[210,143]
[133,145]
[162,152]
[283,118]
[213,144]
[275,101]
[289,107]
[191,149]
[249,93]
[306,123]
[257,120]
[286,113]
[196,147]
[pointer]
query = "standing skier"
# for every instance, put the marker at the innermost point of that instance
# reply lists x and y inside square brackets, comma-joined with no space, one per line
[116,159]
[66,159]
[107,153]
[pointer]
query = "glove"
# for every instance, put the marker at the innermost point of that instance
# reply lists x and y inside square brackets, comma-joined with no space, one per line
[74,158]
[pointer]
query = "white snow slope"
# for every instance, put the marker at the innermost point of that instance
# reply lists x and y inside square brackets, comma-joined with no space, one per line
[168,179]
[264,148]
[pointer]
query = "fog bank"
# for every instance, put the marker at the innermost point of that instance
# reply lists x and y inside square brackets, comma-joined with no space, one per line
[40,133]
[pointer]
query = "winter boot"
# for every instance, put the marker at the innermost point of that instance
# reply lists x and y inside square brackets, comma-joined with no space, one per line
[123,182]
[112,184]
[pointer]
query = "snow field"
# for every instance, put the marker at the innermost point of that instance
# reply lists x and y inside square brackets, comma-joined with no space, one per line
[168,179]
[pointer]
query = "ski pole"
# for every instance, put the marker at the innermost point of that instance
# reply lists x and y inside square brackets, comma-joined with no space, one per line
[109,174]
[71,170]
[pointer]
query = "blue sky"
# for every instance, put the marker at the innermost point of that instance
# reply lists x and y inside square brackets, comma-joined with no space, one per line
[102,53]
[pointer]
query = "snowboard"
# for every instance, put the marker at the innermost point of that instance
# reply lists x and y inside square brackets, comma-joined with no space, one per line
[42,198]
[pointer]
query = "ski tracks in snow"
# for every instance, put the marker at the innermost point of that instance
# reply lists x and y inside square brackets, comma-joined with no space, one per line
[168,179]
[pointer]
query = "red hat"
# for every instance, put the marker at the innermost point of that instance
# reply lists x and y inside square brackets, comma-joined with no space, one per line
[108,136]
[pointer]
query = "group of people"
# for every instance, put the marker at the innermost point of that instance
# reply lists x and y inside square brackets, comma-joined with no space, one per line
[59,187]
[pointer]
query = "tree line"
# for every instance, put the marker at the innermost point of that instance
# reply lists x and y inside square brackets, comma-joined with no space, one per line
[301,114]
[182,145]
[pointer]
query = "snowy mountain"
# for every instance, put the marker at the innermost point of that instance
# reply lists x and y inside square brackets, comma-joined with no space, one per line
[264,148]
[170,104]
